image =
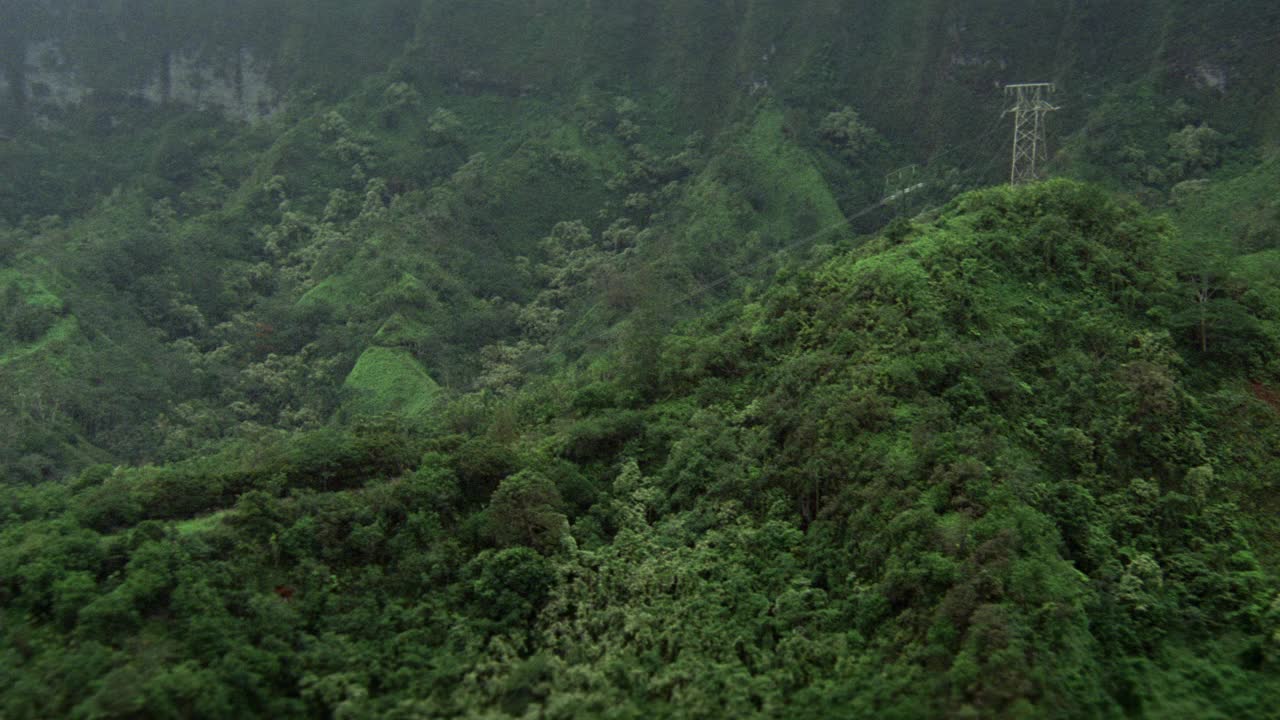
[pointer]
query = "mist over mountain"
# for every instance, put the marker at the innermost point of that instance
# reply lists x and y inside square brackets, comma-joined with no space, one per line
[487,359]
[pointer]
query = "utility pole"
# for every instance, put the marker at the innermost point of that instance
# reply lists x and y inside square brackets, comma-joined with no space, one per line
[1030,149]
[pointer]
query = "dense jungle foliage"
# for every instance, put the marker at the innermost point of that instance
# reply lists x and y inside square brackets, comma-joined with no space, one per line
[567,360]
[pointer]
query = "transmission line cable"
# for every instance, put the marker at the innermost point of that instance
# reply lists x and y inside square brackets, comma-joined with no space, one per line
[978,143]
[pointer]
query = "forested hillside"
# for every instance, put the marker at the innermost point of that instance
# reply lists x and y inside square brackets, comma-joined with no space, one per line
[500,359]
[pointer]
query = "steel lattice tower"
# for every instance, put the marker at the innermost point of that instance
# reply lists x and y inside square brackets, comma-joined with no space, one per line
[1030,149]
[900,188]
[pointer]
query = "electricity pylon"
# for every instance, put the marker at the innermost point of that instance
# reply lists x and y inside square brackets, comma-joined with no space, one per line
[899,188]
[1030,149]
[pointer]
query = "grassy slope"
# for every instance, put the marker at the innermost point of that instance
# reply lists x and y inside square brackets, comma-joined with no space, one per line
[390,380]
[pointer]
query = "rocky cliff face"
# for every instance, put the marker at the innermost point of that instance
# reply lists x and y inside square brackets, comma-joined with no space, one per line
[240,57]
[921,70]
[237,85]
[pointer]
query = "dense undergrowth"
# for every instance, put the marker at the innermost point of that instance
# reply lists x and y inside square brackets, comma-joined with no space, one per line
[964,469]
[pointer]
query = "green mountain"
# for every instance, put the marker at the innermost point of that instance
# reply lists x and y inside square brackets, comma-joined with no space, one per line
[495,359]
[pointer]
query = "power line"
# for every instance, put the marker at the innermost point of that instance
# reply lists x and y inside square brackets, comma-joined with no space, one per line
[1029,155]
[979,140]
[978,143]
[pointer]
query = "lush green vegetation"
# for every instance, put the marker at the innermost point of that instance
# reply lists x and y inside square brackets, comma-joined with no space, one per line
[965,468]
[561,361]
